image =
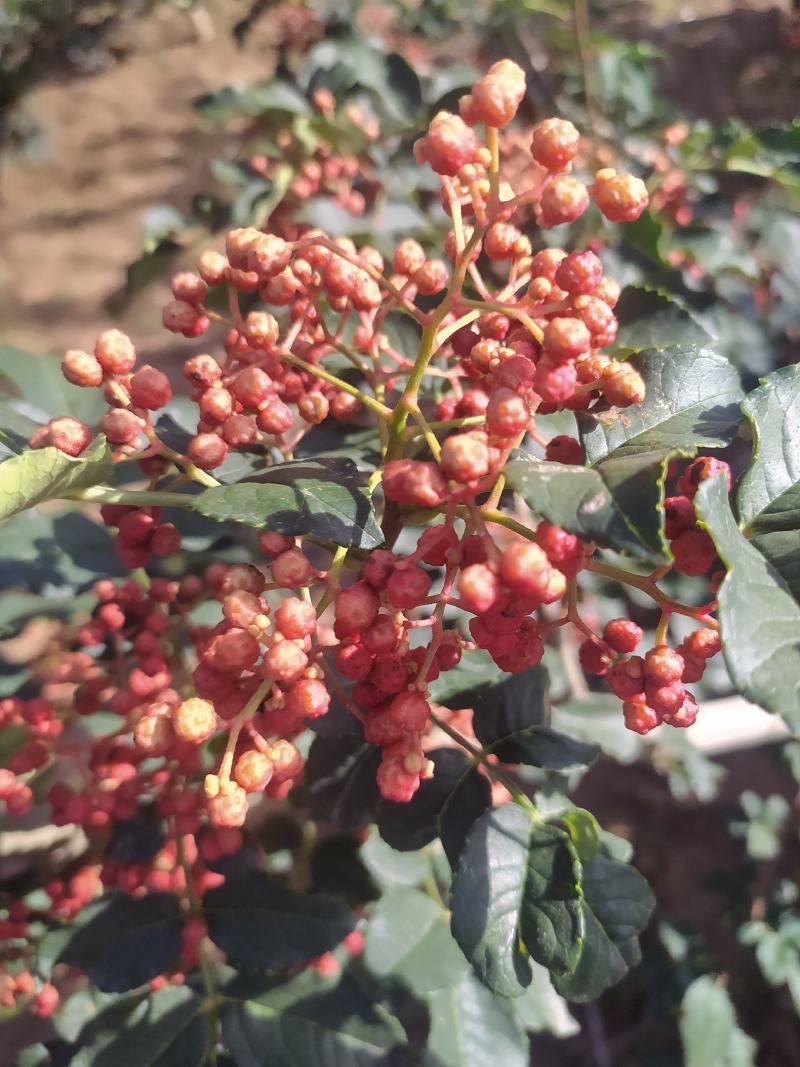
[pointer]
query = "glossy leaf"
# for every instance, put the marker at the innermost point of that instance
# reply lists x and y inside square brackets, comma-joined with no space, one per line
[617,905]
[617,504]
[691,400]
[768,496]
[121,942]
[408,937]
[650,318]
[517,883]
[41,474]
[327,499]
[261,926]
[304,1022]
[168,1028]
[472,1028]
[759,618]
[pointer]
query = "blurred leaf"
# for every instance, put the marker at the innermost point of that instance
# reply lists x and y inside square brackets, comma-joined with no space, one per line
[303,1022]
[408,937]
[261,926]
[121,942]
[168,1028]
[472,1028]
[709,1034]
[232,103]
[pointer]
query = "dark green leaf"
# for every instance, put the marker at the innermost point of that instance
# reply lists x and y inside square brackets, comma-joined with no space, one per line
[408,937]
[166,1029]
[340,776]
[305,1023]
[121,942]
[768,497]
[46,474]
[233,103]
[650,318]
[336,867]
[539,746]
[472,1028]
[327,499]
[618,503]
[408,827]
[517,883]
[692,401]
[475,673]
[520,701]
[261,926]
[759,618]
[617,905]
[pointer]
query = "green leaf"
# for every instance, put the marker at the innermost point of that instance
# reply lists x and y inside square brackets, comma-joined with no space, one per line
[63,550]
[518,702]
[269,97]
[618,503]
[38,380]
[408,937]
[517,884]
[539,746]
[584,830]
[472,1028]
[541,1008]
[692,400]
[768,496]
[261,926]
[305,1023]
[391,868]
[650,318]
[46,474]
[759,618]
[475,673]
[617,905]
[412,825]
[166,1029]
[709,1034]
[76,1012]
[121,942]
[327,499]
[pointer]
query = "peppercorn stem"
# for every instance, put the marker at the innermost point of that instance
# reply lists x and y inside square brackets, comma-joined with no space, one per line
[367,400]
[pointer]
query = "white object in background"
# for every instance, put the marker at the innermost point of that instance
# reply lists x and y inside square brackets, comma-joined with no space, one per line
[732,723]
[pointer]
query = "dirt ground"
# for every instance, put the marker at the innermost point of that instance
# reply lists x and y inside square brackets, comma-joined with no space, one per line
[118,141]
[112,144]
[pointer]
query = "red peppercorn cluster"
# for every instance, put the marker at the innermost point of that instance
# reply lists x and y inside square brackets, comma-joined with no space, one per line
[207,715]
